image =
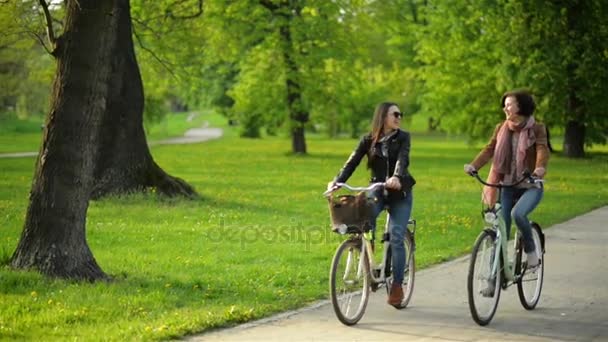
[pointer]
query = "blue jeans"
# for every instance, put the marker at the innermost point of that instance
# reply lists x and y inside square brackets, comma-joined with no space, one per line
[399,211]
[519,210]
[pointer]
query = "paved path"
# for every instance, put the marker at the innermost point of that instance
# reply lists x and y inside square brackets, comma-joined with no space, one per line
[191,136]
[573,305]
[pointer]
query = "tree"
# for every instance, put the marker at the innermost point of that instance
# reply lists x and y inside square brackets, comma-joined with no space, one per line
[567,65]
[262,38]
[124,163]
[25,69]
[308,64]
[96,111]
[53,239]
[557,49]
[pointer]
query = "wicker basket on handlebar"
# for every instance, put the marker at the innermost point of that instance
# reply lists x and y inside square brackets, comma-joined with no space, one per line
[350,213]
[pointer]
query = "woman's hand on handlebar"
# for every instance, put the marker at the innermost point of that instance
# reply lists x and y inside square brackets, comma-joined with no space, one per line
[539,172]
[469,169]
[393,183]
[331,186]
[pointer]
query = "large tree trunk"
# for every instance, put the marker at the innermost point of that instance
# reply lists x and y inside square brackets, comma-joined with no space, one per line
[297,115]
[124,161]
[53,239]
[574,138]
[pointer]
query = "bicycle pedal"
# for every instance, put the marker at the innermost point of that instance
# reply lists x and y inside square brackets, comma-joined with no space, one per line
[376,273]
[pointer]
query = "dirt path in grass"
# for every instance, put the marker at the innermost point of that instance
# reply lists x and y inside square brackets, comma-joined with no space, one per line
[573,304]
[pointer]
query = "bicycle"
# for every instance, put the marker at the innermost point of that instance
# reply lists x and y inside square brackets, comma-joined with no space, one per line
[488,271]
[350,276]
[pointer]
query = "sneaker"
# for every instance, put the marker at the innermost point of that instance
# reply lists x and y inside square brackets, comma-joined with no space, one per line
[532,259]
[488,291]
[396,295]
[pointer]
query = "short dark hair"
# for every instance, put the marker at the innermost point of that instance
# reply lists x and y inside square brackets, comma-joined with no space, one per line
[525,101]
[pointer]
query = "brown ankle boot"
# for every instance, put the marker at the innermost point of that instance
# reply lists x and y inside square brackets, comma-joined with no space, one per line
[396,295]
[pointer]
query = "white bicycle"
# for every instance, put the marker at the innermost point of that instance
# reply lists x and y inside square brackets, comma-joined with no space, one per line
[354,272]
[492,268]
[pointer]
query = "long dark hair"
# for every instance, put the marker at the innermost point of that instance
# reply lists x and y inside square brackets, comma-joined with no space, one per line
[378,121]
[378,125]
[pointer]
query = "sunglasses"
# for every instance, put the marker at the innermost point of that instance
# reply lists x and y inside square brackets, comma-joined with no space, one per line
[397,115]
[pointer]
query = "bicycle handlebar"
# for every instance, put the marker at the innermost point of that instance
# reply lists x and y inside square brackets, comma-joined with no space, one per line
[527,177]
[370,187]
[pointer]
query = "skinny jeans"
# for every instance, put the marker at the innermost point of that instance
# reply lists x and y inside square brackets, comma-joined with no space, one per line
[400,211]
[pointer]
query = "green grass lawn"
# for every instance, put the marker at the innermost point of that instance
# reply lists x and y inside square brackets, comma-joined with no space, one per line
[257,243]
[26,135]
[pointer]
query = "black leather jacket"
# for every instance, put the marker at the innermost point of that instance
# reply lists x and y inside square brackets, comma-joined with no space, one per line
[398,161]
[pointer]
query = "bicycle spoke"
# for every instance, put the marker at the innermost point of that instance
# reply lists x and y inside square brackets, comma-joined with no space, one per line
[349,287]
[483,287]
[530,285]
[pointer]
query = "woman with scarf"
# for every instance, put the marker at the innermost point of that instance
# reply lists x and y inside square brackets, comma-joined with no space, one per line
[519,144]
[387,148]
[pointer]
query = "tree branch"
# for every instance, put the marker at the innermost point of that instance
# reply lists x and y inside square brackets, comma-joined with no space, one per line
[49,23]
[269,5]
[145,25]
[198,13]
[163,63]
[41,40]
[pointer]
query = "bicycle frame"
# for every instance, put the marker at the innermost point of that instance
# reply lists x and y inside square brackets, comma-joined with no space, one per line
[502,241]
[368,251]
[367,238]
[499,228]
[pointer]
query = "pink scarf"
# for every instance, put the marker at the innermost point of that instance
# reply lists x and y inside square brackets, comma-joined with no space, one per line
[501,163]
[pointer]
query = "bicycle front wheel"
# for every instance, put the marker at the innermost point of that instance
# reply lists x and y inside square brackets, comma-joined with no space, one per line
[483,286]
[349,282]
[530,284]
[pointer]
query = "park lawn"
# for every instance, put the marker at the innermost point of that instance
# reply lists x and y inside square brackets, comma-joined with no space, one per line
[257,243]
[20,135]
[26,135]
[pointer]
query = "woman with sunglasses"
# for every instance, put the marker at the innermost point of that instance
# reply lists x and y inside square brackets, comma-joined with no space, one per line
[519,144]
[387,148]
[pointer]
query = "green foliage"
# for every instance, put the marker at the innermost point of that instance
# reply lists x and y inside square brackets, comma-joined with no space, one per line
[471,54]
[25,68]
[155,110]
[247,249]
[259,91]
[562,51]
[445,60]
[344,68]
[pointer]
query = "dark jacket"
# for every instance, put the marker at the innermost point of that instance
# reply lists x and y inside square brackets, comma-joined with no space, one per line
[398,160]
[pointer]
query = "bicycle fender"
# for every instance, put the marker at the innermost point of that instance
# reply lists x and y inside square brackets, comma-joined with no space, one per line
[490,232]
[540,234]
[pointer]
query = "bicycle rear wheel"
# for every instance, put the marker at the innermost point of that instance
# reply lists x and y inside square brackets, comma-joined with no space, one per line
[530,284]
[483,287]
[349,282]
